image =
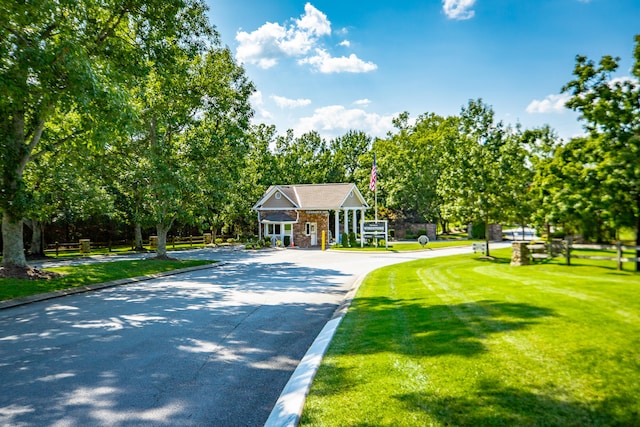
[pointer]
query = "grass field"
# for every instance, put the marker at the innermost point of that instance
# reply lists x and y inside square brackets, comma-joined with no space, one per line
[462,341]
[88,274]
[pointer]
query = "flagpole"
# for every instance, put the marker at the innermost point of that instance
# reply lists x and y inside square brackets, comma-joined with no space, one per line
[375,197]
[373,185]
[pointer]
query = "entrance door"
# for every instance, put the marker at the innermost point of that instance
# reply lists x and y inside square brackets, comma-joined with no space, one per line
[313,233]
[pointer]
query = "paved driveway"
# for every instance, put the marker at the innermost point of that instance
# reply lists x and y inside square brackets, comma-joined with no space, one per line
[211,347]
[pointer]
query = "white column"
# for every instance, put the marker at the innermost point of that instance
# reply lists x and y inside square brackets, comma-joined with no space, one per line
[346,221]
[337,227]
[362,227]
[355,222]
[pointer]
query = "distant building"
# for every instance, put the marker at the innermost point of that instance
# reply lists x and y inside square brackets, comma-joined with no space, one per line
[297,214]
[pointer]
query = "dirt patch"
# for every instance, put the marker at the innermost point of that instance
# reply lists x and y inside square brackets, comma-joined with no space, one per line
[164,258]
[29,273]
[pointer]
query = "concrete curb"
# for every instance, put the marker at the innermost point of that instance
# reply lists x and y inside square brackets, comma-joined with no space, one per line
[399,252]
[16,302]
[288,408]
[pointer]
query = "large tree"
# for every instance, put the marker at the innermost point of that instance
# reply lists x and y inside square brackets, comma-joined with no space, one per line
[191,144]
[414,159]
[479,181]
[610,109]
[58,57]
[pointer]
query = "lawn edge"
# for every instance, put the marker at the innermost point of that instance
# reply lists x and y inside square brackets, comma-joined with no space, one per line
[289,406]
[16,302]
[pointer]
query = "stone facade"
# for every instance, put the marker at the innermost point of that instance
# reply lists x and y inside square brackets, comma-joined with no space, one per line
[300,237]
[495,232]
[432,231]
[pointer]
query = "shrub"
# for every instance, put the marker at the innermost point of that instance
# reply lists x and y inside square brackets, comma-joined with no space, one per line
[249,246]
[353,241]
[421,231]
[219,241]
[266,242]
[478,230]
[231,240]
[345,240]
[287,241]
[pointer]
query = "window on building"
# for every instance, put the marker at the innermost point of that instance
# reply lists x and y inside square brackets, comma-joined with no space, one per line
[273,229]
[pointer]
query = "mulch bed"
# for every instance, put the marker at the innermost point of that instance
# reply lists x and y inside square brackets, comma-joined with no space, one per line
[29,273]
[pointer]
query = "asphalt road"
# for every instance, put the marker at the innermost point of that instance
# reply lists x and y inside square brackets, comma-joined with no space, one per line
[213,347]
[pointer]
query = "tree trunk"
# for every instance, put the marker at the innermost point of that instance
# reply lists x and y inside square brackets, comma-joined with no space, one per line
[138,237]
[12,243]
[638,235]
[486,235]
[162,240]
[37,245]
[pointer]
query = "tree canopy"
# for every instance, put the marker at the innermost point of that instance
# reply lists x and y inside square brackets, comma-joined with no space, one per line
[135,111]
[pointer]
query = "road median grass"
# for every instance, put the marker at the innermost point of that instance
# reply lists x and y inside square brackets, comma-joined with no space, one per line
[89,274]
[467,341]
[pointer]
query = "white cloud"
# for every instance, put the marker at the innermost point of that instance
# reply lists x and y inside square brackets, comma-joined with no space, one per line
[314,21]
[283,102]
[272,41]
[326,63]
[334,120]
[624,82]
[262,46]
[257,102]
[458,9]
[363,102]
[551,104]
[256,98]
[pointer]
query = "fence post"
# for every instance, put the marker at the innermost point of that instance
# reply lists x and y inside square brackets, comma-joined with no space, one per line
[569,242]
[85,246]
[619,253]
[57,246]
[190,240]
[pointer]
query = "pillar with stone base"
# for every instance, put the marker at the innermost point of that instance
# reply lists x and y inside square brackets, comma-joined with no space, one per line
[520,254]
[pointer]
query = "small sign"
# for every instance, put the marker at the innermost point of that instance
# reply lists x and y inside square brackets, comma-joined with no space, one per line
[374,227]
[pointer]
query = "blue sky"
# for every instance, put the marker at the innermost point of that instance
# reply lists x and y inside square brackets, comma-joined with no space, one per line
[332,66]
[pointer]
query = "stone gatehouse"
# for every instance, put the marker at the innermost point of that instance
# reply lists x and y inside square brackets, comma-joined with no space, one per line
[298,214]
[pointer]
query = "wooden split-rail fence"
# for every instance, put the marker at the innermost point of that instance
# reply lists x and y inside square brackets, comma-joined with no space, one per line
[84,246]
[568,249]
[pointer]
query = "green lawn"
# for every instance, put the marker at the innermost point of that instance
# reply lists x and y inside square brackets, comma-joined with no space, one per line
[462,341]
[88,274]
[410,246]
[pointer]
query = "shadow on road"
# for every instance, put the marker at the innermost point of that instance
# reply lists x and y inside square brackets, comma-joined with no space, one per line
[212,347]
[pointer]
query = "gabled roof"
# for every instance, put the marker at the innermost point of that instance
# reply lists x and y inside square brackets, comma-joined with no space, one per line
[311,197]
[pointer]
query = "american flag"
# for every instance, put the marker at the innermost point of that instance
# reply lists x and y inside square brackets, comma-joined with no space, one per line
[372,182]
